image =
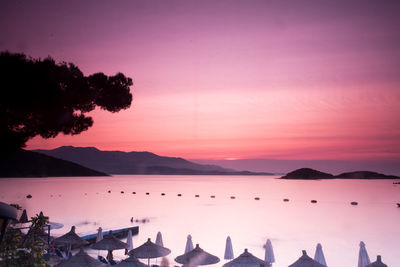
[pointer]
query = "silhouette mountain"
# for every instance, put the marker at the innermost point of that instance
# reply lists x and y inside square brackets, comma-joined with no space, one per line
[307,174]
[23,163]
[311,174]
[365,175]
[118,162]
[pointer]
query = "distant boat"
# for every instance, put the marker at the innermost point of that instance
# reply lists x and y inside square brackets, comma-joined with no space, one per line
[119,233]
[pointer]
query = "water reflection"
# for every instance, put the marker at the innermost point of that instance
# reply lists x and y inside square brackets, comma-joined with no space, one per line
[291,225]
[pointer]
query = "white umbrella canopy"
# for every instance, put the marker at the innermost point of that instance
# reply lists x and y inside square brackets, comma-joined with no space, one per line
[306,261]
[363,258]
[246,259]
[228,255]
[377,263]
[80,259]
[99,234]
[319,255]
[159,240]
[269,252]
[24,217]
[129,240]
[195,257]
[189,244]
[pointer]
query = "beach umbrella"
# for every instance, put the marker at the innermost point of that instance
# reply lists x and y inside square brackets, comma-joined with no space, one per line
[149,250]
[269,253]
[363,259]
[306,261]
[159,240]
[129,240]
[70,238]
[228,255]
[189,244]
[196,257]
[377,263]
[80,259]
[24,217]
[132,261]
[110,243]
[319,255]
[99,234]
[246,259]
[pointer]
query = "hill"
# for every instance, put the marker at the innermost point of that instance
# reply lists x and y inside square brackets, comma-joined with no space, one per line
[118,162]
[25,163]
[307,174]
[311,174]
[365,175]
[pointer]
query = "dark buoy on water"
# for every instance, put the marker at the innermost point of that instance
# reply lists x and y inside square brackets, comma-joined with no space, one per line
[354,203]
[398,205]
[147,193]
[179,195]
[109,191]
[286,200]
[29,196]
[131,219]
[197,196]
[163,194]
[134,193]
[122,192]
[313,201]
[233,197]
[257,198]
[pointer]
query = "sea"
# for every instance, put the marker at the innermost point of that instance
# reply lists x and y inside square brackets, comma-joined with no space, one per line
[249,209]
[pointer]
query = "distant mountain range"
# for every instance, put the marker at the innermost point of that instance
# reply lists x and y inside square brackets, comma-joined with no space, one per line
[311,174]
[118,162]
[282,166]
[25,163]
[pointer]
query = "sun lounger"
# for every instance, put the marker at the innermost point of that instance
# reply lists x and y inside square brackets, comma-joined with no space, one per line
[102,259]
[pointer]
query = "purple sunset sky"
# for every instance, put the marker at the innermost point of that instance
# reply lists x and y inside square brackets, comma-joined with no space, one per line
[229,79]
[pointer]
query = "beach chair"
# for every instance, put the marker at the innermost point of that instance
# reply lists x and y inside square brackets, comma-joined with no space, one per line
[102,259]
[59,253]
[113,262]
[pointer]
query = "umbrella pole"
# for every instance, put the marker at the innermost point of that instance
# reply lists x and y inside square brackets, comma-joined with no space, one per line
[148,263]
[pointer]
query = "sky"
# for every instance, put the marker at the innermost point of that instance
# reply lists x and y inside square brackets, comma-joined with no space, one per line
[229,79]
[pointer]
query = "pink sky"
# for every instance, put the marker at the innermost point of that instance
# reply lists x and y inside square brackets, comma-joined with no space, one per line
[229,79]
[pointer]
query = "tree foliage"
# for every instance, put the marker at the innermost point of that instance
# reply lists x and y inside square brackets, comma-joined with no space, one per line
[42,97]
[18,249]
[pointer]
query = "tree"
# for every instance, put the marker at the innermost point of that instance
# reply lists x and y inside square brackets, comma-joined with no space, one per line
[18,249]
[42,97]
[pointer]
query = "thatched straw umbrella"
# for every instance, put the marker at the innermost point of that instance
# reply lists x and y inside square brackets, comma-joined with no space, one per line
[246,259]
[70,238]
[196,257]
[109,243]
[149,250]
[80,259]
[306,261]
[377,263]
[132,261]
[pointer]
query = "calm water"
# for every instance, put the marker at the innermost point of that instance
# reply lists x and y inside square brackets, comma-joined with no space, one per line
[291,226]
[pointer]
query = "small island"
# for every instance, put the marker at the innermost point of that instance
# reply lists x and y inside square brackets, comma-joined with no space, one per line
[311,174]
